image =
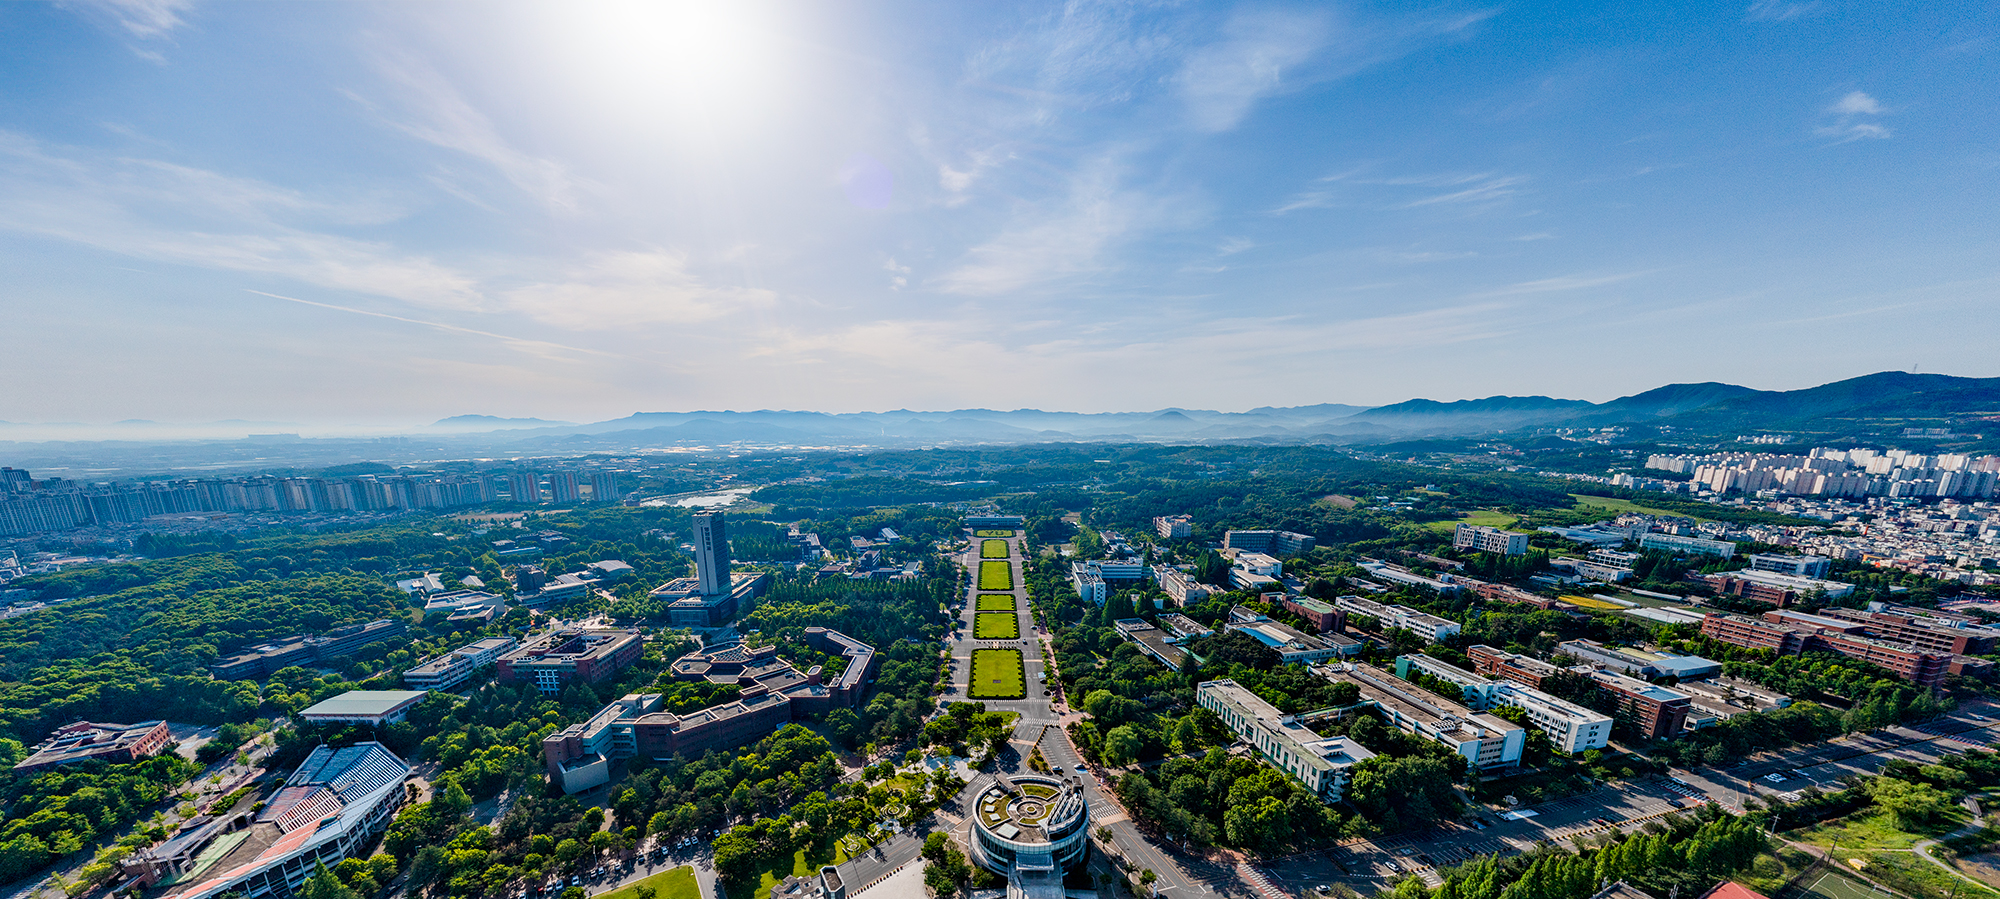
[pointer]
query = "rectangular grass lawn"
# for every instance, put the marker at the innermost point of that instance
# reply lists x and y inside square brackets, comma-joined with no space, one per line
[994,602]
[993,532]
[993,549]
[996,626]
[996,576]
[997,674]
[676,884]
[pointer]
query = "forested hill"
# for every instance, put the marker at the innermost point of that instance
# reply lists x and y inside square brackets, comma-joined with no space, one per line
[141,651]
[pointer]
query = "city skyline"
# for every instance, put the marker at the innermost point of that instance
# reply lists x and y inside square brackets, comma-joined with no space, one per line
[389,214]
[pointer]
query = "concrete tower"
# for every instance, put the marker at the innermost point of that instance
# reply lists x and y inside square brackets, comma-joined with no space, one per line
[711,553]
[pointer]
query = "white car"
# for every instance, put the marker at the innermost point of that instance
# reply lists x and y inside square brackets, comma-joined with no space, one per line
[1774,778]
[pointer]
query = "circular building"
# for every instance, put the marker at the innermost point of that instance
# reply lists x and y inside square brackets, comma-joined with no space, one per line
[1030,825]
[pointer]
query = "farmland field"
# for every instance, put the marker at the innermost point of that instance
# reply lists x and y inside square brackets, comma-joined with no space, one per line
[993,549]
[997,674]
[995,575]
[996,626]
[995,602]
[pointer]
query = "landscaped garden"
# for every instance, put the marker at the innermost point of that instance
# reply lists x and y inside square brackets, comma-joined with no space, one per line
[996,626]
[996,576]
[993,532]
[994,602]
[997,674]
[993,549]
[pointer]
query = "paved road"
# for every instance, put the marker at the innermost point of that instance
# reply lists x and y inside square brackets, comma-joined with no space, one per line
[1039,724]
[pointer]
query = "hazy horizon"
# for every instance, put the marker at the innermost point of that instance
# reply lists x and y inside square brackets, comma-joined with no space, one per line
[386,214]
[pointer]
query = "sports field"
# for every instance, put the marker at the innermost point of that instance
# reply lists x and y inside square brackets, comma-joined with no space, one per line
[1834,886]
[992,533]
[997,674]
[993,549]
[994,602]
[996,626]
[996,576]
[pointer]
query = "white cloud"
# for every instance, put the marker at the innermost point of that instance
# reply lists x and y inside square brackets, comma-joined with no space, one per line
[1047,244]
[1857,103]
[1491,189]
[1220,82]
[437,113]
[609,291]
[1781,10]
[899,275]
[1850,107]
[144,19]
[171,213]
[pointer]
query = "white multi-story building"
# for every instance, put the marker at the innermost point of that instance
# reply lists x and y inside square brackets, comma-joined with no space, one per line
[448,671]
[1321,763]
[1180,585]
[1489,540]
[1089,583]
[1796,566]
[1486,741]
[1571,727]
[1174,527]
[1429,627]
[1688,545]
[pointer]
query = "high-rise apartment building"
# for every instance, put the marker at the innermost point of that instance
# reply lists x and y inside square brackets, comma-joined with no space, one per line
[604,486]
[564,487]
[711,553]
[524,487]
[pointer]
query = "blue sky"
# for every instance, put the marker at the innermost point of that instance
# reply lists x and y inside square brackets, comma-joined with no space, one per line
[355,213]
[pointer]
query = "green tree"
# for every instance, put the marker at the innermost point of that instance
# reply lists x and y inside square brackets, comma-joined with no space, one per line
[1121,746]
[322,884]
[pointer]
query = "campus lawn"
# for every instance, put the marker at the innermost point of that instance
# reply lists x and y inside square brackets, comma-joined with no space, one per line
[996,576]
[1617,506]
[678,883]
[993,549]
[997,674]
[992,532]
[1483,517]
[996,626]
[994,602]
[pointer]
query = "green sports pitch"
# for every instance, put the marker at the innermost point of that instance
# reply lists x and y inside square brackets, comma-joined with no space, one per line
[996,626]
[996,576]
[997,674]
[992,533]
[1834,886]
[994,602]
[993,549]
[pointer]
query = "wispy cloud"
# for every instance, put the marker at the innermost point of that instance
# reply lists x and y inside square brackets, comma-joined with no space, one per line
[1782,10]
[1492,188]
[1056,240]
[165,212]
[145,20]
[610,291]
[1848,127]
[434,111]
[519,342]
[1562,283]
[1472,188]
[1220,82]
[899,275]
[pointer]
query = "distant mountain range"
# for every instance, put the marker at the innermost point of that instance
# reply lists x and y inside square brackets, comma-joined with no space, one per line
[1883,400]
